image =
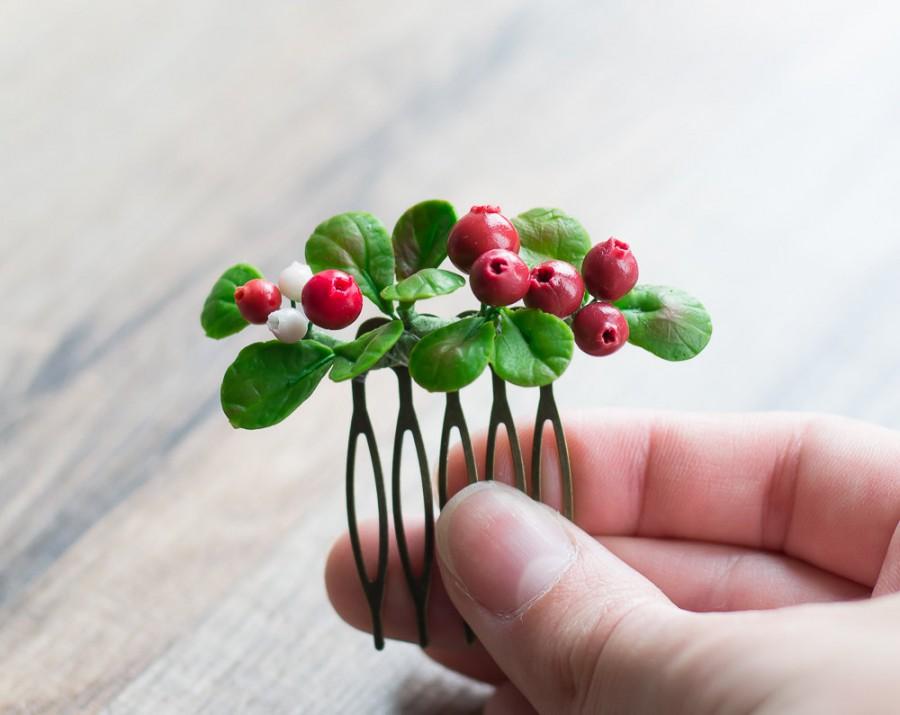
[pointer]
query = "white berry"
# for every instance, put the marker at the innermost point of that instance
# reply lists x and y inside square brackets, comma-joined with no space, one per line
[288,325]
[292,280]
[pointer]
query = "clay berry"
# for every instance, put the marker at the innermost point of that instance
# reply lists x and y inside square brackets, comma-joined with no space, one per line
[483,229]
[555,287]
[292,280]
[600,329]
[287,324]
[256,299]
[610,270]
[331,299]
[499,277]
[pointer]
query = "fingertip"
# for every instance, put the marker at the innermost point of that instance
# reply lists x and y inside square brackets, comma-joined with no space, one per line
[501,549]
[397,609]
[341,583]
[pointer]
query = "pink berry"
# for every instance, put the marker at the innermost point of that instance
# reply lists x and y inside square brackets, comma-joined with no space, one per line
[499,277]
[610,270]
[555,287]
[331,299]
[256,299]
[483,229]
[600,329]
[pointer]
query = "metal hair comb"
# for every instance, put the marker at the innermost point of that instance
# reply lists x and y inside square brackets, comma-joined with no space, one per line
[361,426]
[574,294]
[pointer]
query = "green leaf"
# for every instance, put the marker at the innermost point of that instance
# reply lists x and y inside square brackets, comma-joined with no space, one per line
[268,381]
[420,324]
[221,317]
[420,236]
[666,321]
[546,234]
[453,356]
[352,359]
[427,283]
[320,336]
[358,244]
[532,348]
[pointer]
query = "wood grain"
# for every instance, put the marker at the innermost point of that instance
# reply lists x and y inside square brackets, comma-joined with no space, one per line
[152,560]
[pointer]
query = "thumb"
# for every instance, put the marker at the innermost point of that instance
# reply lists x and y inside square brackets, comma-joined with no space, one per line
[573,627]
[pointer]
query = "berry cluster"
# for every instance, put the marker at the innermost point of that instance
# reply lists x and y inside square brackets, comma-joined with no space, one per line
[574,294]
[484,244]
[330,299]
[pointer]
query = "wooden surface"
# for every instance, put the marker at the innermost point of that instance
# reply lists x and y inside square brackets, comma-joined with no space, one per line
[152,560]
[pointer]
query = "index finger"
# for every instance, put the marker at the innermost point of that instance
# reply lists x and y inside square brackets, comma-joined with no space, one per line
[819,488]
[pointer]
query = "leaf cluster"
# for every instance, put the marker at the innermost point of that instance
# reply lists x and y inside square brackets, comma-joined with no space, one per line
[524,346]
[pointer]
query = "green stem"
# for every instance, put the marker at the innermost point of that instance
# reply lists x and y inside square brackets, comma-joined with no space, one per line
[313,333]
[406,313]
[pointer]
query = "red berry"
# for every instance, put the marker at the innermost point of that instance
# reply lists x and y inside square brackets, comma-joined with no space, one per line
[610,270]
[555,287]
[482,229]
[256,299]
[331,299]
[499,277]
[600,329]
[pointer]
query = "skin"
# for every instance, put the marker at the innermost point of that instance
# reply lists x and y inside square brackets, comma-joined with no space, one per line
[739,564]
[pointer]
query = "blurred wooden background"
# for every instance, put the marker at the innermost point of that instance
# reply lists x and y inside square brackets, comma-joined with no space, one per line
[153,560]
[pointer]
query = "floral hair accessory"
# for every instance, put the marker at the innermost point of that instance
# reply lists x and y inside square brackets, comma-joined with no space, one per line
[574,294]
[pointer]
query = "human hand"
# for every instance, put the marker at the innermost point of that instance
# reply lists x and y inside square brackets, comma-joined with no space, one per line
[723,563]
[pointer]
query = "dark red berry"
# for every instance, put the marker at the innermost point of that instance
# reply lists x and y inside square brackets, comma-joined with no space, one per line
[256,299]
[483,229]
[499,277]
[610,270]
[600,329]
[555,287]
[331,299]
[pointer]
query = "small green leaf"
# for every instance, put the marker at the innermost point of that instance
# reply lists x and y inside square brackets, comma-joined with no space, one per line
[358,244]
[420,324]
[546,234]
[352,359]
[427,283]
[666,321]
[221,317]
[320,336]
[268,381]
[420,236]
[532,348]
[453,356]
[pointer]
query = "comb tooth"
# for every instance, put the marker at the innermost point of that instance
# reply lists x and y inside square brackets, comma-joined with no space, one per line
[361,424]
[548,411]
[454,417]
[502,415]
[407,422]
